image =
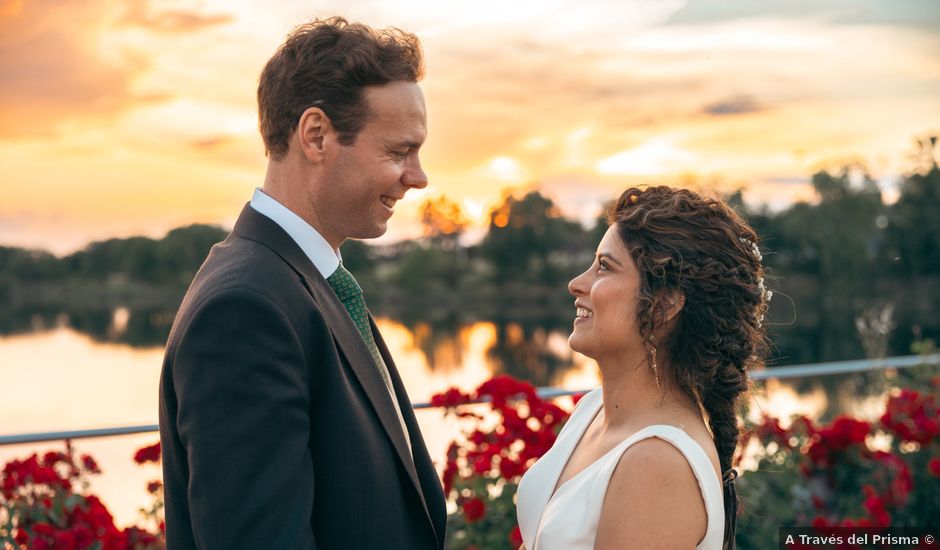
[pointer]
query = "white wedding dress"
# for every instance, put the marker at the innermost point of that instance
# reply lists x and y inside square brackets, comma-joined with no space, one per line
[568,519]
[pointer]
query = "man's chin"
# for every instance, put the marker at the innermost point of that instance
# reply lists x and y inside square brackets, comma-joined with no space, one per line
[373,232]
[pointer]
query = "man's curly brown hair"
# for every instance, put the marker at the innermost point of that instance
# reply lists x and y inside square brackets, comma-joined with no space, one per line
[328,63]
[698,247]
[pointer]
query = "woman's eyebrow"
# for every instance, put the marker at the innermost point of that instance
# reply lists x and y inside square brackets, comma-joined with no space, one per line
[608,256]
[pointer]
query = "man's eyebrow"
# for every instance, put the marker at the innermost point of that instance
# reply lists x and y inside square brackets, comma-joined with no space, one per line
[409,143]
[608,256]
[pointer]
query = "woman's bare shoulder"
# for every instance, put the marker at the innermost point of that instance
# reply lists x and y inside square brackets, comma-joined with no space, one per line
[653,500]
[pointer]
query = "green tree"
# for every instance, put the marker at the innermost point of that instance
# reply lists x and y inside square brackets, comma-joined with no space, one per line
[29,265]
[914,230]
[530,241]
[182,251]
[837,243]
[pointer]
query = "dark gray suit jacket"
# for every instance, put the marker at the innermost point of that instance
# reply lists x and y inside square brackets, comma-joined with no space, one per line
[277,430]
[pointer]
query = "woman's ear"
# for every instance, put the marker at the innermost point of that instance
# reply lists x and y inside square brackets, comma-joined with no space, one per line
[674,302]
[668,305]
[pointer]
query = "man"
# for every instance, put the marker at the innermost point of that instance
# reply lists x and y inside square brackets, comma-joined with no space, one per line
[283,419]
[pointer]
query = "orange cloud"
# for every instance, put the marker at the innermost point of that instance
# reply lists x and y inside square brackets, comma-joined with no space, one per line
[52,71]
[139,13]
[10,7]
[214,142]
[66,62]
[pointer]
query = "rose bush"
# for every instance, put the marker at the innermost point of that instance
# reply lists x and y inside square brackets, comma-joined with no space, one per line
[847,473]
[485,464]
[45,504]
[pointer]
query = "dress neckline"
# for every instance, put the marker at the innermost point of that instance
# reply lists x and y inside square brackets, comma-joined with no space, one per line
[602,459]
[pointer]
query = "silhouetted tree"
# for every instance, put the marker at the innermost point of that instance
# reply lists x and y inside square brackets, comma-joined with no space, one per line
[443,221]
[530,241]
[914,230]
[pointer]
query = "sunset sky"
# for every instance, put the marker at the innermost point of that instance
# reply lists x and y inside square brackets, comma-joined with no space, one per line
[124,117]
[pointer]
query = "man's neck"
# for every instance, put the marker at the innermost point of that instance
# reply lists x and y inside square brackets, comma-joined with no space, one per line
[283,183]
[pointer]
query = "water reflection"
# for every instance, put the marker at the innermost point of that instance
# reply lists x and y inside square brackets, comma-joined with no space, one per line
[531,326]
[534,348]
[140,327]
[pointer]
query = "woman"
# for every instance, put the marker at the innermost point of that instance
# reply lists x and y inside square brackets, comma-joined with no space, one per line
[671,310]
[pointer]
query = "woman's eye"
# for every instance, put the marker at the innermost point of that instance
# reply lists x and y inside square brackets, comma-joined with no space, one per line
[602,266]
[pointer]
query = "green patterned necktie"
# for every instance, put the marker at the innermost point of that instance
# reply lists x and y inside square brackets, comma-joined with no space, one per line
[349,292]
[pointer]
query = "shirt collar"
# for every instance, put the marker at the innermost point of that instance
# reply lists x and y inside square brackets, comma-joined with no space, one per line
[324,257]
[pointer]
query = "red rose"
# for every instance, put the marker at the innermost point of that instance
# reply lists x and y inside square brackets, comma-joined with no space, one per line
[137,537]
[43,529]
[770,430]
[450,398]
[66,540]
[83,536]
[154,486]
[500,388]
[50,458]
[553,414]
[901,482]
[473,509]
[934,467]
[148,454]
[817,453]
[89,463]
[509,469]
[912,416]
[515,537]
[481,465]
[48,476]
[43,536]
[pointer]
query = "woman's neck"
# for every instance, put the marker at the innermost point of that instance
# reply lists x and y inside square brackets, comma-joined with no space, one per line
[631,392]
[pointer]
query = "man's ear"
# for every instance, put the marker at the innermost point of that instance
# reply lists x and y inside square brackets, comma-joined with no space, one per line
[312,132]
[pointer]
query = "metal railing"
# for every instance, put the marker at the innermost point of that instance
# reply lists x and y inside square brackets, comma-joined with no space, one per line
[780,373]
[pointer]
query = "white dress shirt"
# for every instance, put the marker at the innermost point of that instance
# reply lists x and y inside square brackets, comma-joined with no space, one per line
[324,257]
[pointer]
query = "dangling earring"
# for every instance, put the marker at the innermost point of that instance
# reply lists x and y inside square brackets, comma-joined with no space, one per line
[655,367]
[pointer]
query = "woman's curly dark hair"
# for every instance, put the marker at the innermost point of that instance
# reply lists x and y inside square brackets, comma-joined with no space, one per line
[699,247]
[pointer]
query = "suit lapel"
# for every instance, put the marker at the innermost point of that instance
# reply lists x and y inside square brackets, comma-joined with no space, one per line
[257,227]
[420,456]
[363,365]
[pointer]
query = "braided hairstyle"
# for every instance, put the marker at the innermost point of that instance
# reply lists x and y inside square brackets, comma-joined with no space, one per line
[699,247]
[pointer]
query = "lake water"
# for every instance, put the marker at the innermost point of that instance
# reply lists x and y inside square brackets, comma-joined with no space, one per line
[60,379]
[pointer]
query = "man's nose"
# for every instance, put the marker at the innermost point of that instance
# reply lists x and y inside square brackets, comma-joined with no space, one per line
[414,176]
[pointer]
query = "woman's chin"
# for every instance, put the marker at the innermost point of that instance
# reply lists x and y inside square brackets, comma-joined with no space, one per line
[575,343]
